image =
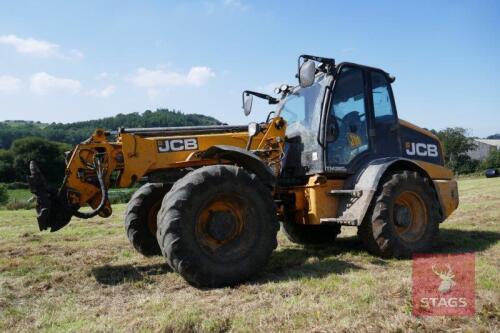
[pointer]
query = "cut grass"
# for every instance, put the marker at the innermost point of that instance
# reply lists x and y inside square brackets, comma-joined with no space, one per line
[87,277]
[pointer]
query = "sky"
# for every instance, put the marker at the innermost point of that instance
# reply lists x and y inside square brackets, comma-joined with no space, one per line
[65,61]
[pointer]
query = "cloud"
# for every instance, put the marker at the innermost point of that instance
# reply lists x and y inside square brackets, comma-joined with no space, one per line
[154,79]
[236,4]
[103,93]
[74,54]
[30,45]
[153,93]
[39,48]
[198,76]
[9,84]
[43,84]
[102,76]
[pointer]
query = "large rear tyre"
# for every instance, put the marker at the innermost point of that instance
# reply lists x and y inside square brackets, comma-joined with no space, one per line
[404,218]
[322,234]
[217,226]
[141,216]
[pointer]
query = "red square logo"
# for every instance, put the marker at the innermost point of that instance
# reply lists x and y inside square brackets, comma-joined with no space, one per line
[444,285]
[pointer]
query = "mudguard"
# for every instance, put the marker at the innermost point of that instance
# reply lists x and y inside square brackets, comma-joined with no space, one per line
[367,181]
[244,158]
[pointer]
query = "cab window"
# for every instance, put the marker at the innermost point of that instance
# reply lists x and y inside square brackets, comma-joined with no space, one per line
[348,111]
[382,105]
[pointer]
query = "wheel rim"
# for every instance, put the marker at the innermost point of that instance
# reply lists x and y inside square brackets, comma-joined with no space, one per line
[153,217]
[410,216]
[220,222]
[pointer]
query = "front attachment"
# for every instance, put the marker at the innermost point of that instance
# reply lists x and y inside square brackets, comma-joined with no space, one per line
[52,210]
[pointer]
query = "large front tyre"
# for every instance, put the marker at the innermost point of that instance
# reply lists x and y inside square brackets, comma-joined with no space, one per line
[404,217]
[140,218]
[217,226]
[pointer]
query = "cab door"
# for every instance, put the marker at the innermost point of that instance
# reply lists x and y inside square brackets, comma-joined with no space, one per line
[386,139]
[347,139]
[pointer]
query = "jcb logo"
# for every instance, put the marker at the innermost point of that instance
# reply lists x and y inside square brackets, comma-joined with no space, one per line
[421,149]
[166,146]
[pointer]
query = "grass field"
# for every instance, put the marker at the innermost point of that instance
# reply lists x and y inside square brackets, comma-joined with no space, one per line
[87,277]
[21,196]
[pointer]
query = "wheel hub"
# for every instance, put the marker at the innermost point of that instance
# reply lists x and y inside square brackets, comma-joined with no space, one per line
[410,216]
[402,216]
[221,225]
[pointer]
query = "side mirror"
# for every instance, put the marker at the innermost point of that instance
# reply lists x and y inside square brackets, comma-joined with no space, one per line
[247,103]
[307,72]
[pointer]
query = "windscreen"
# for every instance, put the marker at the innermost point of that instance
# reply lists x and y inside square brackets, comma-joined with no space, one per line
[302,111]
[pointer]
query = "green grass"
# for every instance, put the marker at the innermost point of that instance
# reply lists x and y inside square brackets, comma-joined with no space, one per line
[19,194]
[20,197]
[87,277]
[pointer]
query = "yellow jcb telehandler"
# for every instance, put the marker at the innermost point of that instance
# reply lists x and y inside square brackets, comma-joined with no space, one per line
[332,153]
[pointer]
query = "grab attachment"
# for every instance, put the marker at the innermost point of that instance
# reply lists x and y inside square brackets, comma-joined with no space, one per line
[52,210]
[52,207]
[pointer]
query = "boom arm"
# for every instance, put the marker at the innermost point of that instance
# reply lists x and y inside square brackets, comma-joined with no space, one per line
[92,165]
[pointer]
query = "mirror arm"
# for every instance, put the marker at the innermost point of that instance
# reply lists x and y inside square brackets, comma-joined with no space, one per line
[270,99]
[328,63]
[324,60]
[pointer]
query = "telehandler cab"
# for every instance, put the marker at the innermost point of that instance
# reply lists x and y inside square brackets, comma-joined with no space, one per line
[333,153]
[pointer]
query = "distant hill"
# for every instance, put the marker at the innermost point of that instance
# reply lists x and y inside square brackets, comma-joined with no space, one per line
[73,133]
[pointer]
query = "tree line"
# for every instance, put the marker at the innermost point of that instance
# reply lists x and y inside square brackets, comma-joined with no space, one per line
[76,132]
[456,143]
[23,141]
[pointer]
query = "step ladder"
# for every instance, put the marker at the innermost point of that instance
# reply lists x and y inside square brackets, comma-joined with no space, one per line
[345,219]
[351,193]
[339,220]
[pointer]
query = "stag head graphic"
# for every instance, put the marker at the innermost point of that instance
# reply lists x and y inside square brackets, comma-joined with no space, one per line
[447,277]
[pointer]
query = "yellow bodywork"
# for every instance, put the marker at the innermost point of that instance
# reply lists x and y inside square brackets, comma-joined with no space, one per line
[448,195]
[444,184]
[312,201]
[133,156]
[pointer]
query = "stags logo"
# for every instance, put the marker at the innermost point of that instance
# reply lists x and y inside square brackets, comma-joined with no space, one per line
[447,281]
[173,145]
[421,149]
[443,285]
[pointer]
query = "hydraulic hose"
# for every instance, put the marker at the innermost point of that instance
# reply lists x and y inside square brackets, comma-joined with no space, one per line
[104,196]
